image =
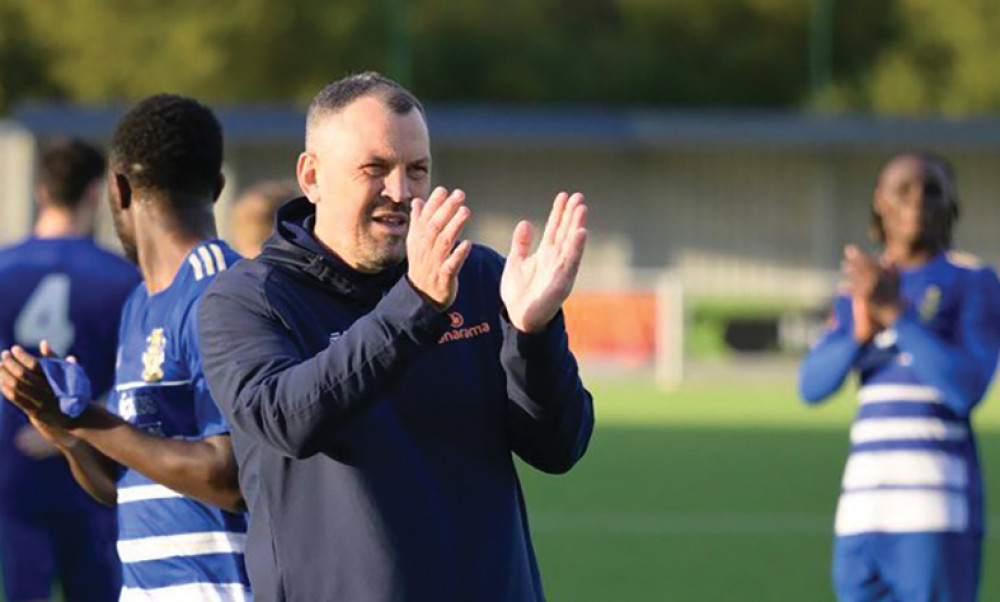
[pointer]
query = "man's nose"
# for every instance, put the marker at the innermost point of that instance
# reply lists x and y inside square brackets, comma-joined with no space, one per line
[397,187]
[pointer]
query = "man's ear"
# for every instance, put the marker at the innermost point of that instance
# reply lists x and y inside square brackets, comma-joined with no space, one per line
[124,190]
[220,183]
[306,172]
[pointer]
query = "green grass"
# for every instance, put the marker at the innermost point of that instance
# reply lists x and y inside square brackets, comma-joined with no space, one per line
[713,492]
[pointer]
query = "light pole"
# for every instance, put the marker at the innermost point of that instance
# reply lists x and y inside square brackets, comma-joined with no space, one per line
[820,51]
[399,41]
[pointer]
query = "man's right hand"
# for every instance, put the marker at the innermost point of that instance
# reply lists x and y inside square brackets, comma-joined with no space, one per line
[434,259]
[24,384]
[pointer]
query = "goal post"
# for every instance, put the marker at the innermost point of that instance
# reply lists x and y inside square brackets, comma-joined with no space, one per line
[632,328]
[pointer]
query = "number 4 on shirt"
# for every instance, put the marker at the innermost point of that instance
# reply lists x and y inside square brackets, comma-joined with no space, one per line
[45,316]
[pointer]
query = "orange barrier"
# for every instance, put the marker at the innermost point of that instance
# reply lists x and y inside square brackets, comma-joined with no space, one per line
[617,326]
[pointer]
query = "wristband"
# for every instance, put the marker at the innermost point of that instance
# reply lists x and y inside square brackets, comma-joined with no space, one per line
[69,384]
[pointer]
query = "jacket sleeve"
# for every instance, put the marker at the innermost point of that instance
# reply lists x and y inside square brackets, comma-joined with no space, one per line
[550,414]
[831,359]
[295,404]
[960,369]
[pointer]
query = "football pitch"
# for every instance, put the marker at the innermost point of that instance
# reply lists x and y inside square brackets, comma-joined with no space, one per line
[717,491]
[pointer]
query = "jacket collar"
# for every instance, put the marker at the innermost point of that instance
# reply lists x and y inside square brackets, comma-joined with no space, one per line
[294,247]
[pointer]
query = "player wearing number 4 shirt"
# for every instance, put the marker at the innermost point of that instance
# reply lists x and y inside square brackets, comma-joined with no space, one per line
[162,452]
[60,287]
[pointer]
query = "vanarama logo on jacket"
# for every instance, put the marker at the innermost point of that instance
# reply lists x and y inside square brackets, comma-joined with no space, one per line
[460,333]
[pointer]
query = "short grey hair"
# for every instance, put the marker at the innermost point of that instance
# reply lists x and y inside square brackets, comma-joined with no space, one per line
[337,95]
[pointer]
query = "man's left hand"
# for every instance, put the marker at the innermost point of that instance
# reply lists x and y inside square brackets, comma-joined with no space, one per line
[533,287]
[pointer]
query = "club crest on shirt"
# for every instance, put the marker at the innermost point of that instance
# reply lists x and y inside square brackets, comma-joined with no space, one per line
[153,356]
[930,303]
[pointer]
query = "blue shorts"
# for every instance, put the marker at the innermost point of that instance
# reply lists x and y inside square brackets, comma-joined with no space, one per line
[78,548]
[938,567]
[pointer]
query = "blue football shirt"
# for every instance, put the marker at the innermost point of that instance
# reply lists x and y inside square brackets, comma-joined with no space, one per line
[70,292]
[173,547]
[913,466]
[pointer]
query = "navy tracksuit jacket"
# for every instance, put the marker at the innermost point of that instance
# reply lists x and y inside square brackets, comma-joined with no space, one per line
[374,434]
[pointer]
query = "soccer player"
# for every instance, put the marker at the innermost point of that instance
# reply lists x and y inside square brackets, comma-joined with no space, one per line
[253,214]
[163,429]
[379,374]
[921,327]
[59,286]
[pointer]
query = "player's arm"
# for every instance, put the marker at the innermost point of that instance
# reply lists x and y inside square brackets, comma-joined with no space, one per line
[204,469]
[828,363]
[550,414]
[294,404]
[960,369]
[853,324]
[95,472]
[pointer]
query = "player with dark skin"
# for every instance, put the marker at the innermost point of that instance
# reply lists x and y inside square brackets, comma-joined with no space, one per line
[920,328]
[898,206]
[157,229]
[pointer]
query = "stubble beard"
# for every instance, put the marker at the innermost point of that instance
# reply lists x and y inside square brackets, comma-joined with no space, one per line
[380,253]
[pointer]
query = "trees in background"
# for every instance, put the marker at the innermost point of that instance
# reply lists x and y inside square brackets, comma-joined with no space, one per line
[944,60]
[888,55]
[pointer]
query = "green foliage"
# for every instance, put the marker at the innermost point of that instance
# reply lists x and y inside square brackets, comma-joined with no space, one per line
[944,60]
[892,56]
[677,52]
[22,62]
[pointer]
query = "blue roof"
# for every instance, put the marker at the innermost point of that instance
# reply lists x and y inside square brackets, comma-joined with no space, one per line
[486,126]
[243,124]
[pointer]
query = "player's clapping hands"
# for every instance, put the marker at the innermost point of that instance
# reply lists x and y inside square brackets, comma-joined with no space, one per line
[534,286]
[434,259]
[873,286]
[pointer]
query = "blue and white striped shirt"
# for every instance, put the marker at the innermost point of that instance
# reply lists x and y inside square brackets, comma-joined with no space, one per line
[913,466]
[173,547]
